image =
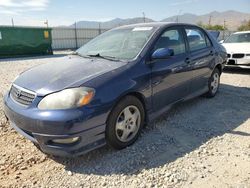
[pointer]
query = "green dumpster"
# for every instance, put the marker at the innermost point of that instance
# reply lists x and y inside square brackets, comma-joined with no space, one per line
[18,41]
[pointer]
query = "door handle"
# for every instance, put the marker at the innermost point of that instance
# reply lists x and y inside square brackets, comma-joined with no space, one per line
[187,60]
[211,53]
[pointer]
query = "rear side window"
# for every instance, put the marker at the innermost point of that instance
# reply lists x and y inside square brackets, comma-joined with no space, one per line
[172,39]
[197,39]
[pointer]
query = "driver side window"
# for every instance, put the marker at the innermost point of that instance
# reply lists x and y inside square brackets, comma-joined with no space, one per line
[171,39]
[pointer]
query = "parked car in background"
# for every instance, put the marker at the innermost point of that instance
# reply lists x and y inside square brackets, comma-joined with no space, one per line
[113,85]
[238,49]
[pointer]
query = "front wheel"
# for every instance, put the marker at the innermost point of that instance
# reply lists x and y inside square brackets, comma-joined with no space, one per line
[213,83]
[125,122]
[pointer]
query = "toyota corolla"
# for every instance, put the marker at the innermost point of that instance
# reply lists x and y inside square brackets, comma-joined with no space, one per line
[109,88]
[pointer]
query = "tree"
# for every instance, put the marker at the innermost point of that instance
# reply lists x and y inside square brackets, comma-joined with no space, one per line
[212,27]
[216,27]
[200,24]
[245,26]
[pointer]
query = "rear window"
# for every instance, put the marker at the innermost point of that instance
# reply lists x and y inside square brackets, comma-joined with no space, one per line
[197,39]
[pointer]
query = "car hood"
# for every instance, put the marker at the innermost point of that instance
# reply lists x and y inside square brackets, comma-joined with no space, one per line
[71,71]
[237,47]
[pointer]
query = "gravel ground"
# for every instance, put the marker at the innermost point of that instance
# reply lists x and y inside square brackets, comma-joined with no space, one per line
[200,143]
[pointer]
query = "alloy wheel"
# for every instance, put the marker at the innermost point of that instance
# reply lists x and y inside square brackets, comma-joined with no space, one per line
[128,123]
[215,82]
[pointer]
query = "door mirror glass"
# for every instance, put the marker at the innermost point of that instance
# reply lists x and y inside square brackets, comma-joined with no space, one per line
[162,53]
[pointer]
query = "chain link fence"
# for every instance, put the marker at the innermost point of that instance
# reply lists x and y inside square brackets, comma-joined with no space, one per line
[73,38]
[225,34]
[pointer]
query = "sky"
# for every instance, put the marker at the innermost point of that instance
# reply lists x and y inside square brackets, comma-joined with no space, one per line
[66,12]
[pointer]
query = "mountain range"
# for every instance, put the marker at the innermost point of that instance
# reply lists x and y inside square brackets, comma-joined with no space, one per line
[232,20]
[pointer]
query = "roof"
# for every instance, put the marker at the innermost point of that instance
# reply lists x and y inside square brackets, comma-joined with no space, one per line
[242,32]
[152,24]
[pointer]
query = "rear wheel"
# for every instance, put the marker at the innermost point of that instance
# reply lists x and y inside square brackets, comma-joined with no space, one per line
[213,83]
[125,122]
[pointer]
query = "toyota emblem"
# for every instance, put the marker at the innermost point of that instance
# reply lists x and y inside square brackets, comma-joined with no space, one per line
[18,93]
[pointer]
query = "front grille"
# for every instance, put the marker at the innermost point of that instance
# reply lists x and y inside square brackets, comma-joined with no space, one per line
[229,55]
[21,95]
[238,55]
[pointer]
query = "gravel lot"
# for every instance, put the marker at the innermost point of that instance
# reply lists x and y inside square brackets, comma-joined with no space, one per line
[200,143]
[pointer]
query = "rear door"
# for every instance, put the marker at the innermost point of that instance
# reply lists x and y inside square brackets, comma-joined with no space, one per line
[202,56]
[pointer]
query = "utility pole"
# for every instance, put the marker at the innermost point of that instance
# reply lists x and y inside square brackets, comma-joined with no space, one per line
[210,20]
[12,21]
[76,35]
[224,25]
[224,28]
[144,17]
[177,18]
[46,23]
[100,31]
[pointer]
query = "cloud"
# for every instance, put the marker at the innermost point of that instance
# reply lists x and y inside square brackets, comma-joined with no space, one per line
[8,12]
[24,3]
[183,2]
[16,7]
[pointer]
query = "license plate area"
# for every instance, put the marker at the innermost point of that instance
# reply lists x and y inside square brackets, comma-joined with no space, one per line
[231,62]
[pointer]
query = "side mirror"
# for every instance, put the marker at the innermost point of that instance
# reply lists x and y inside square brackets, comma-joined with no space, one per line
[162,53]
[221,41]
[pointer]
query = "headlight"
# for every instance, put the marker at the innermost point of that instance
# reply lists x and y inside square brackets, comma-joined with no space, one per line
[66,99]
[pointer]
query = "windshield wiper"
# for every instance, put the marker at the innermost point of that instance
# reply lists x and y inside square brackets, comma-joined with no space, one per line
[77,53]
[111,58]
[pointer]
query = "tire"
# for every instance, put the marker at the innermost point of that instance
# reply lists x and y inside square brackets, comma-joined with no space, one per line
[213,83]
[125,123]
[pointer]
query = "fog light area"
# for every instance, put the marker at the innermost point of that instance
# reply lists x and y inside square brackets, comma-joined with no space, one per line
[66,140]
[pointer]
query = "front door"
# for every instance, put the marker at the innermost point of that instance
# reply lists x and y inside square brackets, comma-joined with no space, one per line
[170,77]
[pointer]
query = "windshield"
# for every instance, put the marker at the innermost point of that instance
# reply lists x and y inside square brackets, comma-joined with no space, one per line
[238,38]
[120,44]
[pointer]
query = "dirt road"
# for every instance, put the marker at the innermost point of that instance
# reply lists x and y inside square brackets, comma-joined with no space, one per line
[200,143]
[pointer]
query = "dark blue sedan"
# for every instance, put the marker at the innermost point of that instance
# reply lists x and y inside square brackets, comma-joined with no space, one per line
[112,86]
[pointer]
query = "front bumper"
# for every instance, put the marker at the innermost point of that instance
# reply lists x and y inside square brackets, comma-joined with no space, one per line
[239,62]
[41,127]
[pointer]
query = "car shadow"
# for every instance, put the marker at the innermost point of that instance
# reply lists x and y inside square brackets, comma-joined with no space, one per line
[237,70]
[180,131]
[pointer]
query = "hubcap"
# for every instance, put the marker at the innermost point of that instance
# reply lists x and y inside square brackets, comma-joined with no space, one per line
[215,82]
[128,123]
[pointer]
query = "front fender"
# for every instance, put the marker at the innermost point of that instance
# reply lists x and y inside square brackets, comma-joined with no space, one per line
[111,87]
